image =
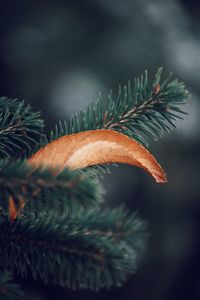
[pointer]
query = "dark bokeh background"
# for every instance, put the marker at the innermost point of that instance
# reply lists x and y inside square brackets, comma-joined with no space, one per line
[58,55]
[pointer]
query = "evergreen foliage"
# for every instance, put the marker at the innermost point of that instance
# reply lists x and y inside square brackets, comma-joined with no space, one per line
[85,250]
[9,290]
[141,110]
[20,128]
[62,236]
[41,189]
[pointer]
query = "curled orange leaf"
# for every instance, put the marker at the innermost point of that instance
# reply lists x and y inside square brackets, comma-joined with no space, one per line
[94,147]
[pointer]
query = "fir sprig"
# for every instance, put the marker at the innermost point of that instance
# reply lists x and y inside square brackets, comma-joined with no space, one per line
[9,290]
[40,188]
[116,224]
[141,110]
[77,251]
[84,248]
[20,128]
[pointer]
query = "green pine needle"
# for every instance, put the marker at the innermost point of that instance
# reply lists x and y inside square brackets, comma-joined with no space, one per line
[141,110]
[9,290]
[41,189]
[20,128]
[84,250]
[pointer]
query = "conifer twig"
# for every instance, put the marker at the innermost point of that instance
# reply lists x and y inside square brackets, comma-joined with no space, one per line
[20,128]
[9,290]
[90,250]
[39,188]
[142,110]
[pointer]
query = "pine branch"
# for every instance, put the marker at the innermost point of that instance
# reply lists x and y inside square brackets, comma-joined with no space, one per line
[116,224]
[20,183]
[20,128]
[141,110]
[77,251]
[9,290]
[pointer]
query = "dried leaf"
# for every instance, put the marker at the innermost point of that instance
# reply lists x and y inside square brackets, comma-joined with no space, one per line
[94,147]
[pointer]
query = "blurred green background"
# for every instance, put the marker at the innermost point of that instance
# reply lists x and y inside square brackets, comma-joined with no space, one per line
[57,55]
